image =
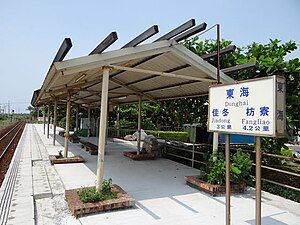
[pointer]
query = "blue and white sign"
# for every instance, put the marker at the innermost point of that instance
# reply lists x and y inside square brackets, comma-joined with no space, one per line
[253,107]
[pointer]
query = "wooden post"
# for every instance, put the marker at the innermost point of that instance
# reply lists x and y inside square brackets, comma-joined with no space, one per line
[48,121]
[139,125]
[54,120]
[89,122]
[102,128]
[67,131]
[258,181]
[227,155]
[44,118]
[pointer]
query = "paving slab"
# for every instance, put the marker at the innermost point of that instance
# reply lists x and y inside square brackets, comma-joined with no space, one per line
[17,186]
[160,192]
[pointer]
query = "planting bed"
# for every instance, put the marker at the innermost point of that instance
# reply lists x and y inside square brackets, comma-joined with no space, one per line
[213,189]
[79,208]
[74,139]
[55,159]
[141,156]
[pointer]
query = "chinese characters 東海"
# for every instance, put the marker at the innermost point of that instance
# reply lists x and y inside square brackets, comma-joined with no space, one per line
[244,92]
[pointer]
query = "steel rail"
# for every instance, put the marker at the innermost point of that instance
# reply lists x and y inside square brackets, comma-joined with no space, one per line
[11,130]
[6,198]
[12,140]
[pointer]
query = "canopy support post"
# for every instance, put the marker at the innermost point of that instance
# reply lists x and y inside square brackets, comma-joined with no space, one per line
[37,113]
[77,111]
[215,145]
[44,118]
[118,122]
[67,131]
[54,120]
[102,128]
[48,121]
[139,126]
[89,122]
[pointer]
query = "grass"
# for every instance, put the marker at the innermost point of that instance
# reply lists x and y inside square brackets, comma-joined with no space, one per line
[91,194]
[4,122]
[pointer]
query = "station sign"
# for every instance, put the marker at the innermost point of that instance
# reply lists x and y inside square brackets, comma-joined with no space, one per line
[251,107]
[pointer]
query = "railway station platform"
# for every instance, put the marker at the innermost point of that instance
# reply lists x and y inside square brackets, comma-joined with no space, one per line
[34,189]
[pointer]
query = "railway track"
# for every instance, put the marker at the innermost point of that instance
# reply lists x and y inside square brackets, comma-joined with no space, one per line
[9,138]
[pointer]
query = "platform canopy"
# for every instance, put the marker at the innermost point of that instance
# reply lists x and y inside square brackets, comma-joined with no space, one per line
[157,71]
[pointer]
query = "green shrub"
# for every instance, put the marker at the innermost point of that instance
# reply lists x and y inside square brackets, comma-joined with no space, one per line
[62,122]
[240,168]
[170,135]
[285,151]
[91,194]
[281,191]
[81,133]
[202,175]
[243,163]
[217,170]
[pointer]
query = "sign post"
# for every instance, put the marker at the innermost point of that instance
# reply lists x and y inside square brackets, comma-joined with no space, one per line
[251,107]
[227,159]
[258,181]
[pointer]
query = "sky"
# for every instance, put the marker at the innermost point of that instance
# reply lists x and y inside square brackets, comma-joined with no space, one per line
[32,31]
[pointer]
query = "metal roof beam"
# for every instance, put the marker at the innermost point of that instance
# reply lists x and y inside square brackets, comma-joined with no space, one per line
[223,51]
[142,37]
[137,70]
[135,90]
[167,71]
[167,36]
[63,50]
[191,32]
[237,68]
[87,96]
[170,86]
[177,30]
[108,41]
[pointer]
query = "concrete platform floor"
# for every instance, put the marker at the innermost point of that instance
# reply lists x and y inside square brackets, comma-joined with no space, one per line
[159,189]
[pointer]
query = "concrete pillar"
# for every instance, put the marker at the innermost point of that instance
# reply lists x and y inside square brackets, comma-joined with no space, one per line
[102,128]
[118,122]
[38,113]
[107,125]
[67,131]
[54,120]
[215,145]
[48,121]
[44,118]
[89,121]
[51,121]
[77,112]
[139,125]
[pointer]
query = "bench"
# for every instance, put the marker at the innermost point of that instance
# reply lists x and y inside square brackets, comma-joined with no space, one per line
[61,133]
[93,149]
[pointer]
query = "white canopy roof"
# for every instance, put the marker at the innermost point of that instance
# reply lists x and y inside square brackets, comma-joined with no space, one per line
[157,71]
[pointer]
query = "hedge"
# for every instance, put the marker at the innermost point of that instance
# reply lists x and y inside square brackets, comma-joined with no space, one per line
[170,135]
[81,133]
